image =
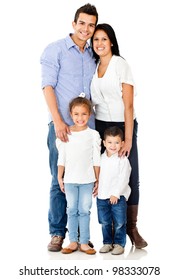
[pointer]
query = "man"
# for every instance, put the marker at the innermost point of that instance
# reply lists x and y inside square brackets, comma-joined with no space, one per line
[67,70]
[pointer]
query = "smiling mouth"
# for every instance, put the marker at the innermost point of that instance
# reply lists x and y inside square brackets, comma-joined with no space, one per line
[84,34]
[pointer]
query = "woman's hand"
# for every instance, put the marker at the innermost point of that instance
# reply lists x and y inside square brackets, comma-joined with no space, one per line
[126,148]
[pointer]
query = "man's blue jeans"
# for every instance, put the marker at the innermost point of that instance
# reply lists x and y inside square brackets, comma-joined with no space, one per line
[113,216]
[79,202]
[57,216]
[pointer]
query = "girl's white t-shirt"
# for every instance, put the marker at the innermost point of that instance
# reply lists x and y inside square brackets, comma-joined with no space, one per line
[79,155]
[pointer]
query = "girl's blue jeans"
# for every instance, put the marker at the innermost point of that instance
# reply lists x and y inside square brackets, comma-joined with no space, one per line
[79,202]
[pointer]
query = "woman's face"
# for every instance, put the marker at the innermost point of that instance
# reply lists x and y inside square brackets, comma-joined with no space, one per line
[101,43]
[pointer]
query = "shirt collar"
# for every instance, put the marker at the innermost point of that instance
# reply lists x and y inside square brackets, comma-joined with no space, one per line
[113,156]
[70,43]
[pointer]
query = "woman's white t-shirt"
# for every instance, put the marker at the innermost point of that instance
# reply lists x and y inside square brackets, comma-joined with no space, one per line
[106,92]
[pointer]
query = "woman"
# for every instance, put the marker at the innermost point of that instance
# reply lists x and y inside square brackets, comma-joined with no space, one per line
[112,91]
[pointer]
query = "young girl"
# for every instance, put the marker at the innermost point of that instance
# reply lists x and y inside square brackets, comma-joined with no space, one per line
[78,172]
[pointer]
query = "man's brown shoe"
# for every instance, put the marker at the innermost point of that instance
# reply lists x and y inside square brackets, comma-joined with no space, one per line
[55,244]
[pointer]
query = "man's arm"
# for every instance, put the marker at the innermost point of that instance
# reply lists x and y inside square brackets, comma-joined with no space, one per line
[61,129]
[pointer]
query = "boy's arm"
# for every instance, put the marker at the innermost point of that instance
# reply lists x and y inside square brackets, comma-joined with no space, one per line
[113,199]
[123,178]
[61,170]
[96,171]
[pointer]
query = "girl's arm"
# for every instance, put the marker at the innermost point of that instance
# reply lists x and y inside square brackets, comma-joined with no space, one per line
[96,171]
[61,170]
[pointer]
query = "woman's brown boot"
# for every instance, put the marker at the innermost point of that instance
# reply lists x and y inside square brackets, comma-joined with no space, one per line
[132,231]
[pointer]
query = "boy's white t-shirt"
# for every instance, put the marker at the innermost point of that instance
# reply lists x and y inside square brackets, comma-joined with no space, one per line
[114,176]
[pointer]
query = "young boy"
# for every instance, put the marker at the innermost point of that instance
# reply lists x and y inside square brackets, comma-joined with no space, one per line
[113,192]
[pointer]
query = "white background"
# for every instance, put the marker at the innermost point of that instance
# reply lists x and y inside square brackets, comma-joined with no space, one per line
[147,33]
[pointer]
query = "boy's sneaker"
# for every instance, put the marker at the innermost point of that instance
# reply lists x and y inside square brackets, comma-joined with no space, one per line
[106,248]
[118,250]
[55,244]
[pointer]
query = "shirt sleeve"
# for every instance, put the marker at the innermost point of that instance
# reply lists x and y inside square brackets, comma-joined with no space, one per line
[96,148]
[61,152]
[122,186]
[125,74]
[50,66]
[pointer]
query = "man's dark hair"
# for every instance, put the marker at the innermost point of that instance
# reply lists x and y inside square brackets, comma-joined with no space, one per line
[86,9]
[113,131]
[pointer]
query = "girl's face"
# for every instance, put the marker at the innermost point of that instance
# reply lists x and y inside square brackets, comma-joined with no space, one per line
[101,43]
[113,144]
[80,115]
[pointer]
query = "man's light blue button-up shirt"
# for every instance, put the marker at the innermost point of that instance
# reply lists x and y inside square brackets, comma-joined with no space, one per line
[69,72]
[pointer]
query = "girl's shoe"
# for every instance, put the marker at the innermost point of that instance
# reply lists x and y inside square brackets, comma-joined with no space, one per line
[89,251]
[72,247]
[68,250]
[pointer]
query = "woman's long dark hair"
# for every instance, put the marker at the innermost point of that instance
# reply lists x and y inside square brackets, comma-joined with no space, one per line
[112,36]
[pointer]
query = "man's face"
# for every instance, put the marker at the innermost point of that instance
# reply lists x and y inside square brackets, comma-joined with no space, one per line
[84,27]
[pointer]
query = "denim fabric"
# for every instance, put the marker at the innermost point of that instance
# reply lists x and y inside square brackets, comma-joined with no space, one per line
[133,157]
[57,216]
[79,202]
[113,216]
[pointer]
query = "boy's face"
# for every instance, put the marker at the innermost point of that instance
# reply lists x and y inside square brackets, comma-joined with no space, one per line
[113,144]
[84,27]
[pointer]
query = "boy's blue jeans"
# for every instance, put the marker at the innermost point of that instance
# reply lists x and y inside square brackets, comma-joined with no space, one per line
[57,216]
[113,216]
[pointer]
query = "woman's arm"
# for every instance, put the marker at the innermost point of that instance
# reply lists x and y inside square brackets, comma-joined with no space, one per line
[128,96]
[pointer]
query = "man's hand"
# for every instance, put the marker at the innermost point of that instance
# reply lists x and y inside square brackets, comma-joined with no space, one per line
[62,130]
